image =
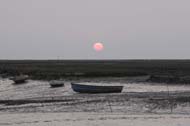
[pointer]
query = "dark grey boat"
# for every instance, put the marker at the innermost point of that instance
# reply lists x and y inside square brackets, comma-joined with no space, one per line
[56,83]
[20,79]
[81,88]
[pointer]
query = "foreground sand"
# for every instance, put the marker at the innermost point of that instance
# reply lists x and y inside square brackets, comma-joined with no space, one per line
[92,119]
[140,104]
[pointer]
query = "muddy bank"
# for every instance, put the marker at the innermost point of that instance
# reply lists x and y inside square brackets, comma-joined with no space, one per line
[136,98]
[130,103]
[40,89]
[170,79]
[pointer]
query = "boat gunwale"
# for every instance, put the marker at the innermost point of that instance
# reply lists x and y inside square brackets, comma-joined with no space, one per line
[107,86]
[96,89]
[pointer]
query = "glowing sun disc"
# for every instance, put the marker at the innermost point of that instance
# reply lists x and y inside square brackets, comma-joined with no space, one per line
[98,46]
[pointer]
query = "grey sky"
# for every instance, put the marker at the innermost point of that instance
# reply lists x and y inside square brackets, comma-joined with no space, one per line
[129,29]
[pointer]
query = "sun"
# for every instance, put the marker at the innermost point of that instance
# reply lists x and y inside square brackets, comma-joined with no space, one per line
[98,46]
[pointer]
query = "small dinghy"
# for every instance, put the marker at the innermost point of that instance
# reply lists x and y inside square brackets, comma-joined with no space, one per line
[56,83]
[19,79]
[83,88]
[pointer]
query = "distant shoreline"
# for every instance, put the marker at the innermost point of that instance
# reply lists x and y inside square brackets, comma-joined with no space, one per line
[168,71]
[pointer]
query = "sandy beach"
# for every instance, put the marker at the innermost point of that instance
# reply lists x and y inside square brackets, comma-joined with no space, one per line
[92,119]
[140,104]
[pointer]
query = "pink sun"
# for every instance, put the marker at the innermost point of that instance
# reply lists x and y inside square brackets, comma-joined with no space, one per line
[98,46]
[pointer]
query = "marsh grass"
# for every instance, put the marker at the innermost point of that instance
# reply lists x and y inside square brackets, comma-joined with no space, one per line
[160,70]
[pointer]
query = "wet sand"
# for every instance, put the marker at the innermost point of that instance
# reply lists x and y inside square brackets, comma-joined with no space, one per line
[140,104]
[38,89]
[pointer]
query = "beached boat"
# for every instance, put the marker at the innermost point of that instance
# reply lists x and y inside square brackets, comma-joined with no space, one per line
[56,83]
[20,79]
[83,88]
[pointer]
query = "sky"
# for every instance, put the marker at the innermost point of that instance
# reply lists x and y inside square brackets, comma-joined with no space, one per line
[67,29]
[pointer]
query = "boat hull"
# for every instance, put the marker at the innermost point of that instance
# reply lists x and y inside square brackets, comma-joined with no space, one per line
[19,79]
[96,89]
[55,84]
